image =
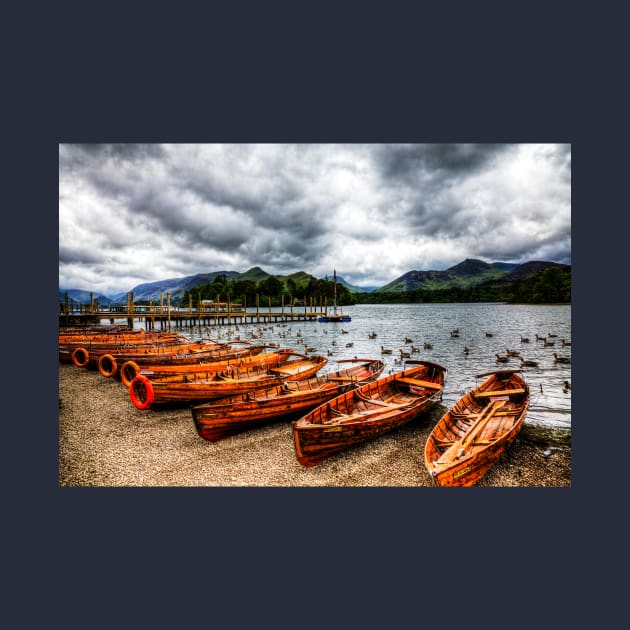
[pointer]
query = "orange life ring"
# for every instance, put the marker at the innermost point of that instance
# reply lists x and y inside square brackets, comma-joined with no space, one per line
[128,371]
[80,357]
[141,392]
[107,365]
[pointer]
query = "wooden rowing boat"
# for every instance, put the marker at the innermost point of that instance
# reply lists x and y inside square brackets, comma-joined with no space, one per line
[110,364]
[156,367]
[228,416]
[87,356]
[367,412]
[79,350]
[199,387]
[472,435]
[132,336]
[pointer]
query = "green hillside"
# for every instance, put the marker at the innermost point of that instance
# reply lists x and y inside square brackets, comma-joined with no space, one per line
[466,274]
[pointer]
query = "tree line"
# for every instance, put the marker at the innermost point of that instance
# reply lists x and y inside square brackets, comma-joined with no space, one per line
[548,286]
[270,290]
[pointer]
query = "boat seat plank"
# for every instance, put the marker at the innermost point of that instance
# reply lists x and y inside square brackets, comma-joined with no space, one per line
[472,416]
[498,392]
[447,443]
[419,383]
[375,401]
[290,369]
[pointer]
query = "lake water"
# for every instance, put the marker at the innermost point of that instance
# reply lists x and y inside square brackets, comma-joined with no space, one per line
[550,406]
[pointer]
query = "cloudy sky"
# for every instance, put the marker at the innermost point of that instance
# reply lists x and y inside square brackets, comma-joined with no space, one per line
[131,213]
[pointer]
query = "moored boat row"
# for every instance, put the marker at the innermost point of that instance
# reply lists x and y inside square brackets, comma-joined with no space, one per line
[367,412]
[329,412]
[197,387]
[217,420]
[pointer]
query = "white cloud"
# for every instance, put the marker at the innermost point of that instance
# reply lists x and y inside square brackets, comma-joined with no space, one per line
[138,213]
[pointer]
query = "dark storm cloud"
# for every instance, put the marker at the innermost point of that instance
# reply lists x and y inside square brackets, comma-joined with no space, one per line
[79,255]
[426,176]
[273,248]
[411,163]
[129,152]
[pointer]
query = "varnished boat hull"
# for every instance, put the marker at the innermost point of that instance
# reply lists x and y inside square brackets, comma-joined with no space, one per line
[88,356]
[453,456]
[196,388]
[229,419]
[215,421]
[349,420]
[154,367]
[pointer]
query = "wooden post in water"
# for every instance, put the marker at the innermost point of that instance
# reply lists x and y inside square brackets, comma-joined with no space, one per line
[257,308]
[130,308]
[168,309]
[161,311]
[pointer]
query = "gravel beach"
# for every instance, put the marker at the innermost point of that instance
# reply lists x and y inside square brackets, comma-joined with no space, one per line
[105,441]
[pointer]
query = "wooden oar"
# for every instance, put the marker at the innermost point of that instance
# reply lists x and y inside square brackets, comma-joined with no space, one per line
[362,415]
[481,422]
[459,447]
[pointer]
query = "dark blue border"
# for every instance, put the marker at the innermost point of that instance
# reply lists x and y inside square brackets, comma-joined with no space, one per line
[239,556]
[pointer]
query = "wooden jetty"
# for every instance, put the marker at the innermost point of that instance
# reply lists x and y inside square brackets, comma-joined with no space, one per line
[165,315]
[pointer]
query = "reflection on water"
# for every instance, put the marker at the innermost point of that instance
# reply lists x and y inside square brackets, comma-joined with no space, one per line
[484,329]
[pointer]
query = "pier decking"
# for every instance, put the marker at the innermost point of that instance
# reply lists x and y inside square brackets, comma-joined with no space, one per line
[164,317]
[206,312]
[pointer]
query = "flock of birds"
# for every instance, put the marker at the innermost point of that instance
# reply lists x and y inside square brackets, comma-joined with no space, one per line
[260,332]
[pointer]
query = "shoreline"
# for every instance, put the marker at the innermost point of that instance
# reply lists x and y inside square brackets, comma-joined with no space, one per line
[105,441]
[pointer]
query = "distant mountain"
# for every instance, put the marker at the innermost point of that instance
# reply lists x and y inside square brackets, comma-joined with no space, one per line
[462,275]
[470,272]
[527,269]
[83,297]
[151,291]
[255,274]
[351,287]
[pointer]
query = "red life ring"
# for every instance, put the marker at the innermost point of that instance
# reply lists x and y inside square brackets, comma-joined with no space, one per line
[128,371]
[141,392]
[80,357]
[107,365]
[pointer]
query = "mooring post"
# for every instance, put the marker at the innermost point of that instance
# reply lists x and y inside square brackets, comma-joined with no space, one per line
[168,309]
[130,308]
